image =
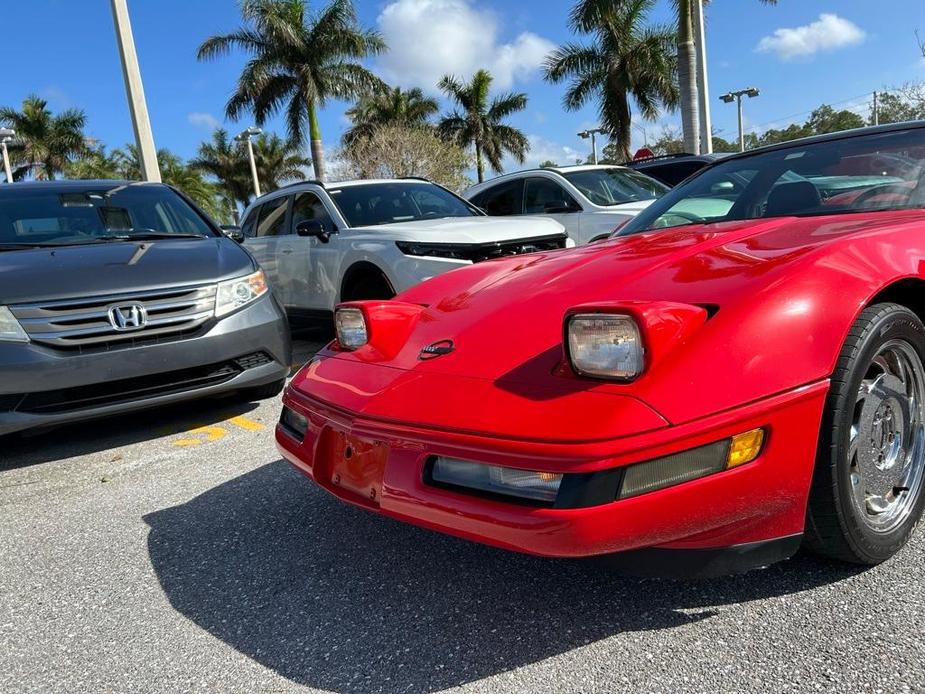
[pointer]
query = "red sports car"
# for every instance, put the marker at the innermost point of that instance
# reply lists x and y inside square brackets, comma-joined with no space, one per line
[738,373]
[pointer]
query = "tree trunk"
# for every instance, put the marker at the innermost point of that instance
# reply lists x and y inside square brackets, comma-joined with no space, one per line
[316,145]
[687,79]
[478,162]
[624,134]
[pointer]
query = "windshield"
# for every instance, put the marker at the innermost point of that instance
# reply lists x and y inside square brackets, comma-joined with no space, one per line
[48,217]
[373,204]
[615,186]
[864,173]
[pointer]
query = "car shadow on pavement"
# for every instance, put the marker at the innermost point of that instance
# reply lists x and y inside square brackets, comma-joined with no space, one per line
[337,598]
[93,436]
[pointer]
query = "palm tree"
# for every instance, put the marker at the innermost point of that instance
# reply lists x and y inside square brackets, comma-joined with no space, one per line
[480,124]
[278,162]
[627,60]
[96,163]
[46,143]
[225,160]
[298,61]
[395,107]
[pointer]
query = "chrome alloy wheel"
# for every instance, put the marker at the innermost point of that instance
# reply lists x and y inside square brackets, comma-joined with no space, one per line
[886,452]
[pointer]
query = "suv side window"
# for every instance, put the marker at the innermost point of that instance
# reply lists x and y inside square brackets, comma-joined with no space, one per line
[504,199]
[540,192]
[308,206]
[272,219]
[249,223]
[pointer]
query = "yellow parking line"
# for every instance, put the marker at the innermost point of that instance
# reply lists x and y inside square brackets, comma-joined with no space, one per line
[245,423]
[212,433]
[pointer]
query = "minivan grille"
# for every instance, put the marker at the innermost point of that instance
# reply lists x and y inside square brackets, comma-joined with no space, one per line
[166,314]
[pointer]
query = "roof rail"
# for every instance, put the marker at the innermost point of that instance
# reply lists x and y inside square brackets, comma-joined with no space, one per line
[414,178]
[659,157]
[302,183]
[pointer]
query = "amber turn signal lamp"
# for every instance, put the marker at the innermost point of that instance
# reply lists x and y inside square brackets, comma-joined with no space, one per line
[744,448]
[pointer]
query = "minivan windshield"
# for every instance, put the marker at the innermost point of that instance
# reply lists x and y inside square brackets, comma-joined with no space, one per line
[372,204]
[864,173]
[615,186]
[55,216]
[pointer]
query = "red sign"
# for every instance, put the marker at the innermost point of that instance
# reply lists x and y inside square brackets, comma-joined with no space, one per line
[643,153]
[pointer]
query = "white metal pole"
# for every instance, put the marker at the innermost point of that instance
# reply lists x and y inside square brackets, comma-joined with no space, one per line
[876,110]
[250,154]
[703,82]
[144,137]
[741,126]
[6,162]
[593,147]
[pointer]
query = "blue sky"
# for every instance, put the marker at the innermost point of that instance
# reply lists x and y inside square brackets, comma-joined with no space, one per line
[800,54]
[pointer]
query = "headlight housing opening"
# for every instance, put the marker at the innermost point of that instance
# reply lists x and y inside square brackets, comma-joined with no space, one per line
[233,294]
[350,327]
[528,485]
[605,345]
[10,329]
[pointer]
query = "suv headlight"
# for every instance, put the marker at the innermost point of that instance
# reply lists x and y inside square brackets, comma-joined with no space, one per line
[10,329]
[234,294]
[605,345]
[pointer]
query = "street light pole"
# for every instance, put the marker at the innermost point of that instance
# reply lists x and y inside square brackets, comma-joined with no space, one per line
[144,137]
[245,136]
[736,96]
[7,135]
[592,133]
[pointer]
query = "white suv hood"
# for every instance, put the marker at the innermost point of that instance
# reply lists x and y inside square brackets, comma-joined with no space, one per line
[465,229]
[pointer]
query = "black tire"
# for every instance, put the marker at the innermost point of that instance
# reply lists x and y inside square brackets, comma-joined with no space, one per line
[265,392]
[835,526]
[368,286]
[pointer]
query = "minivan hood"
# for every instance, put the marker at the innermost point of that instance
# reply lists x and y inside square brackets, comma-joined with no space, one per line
[44,274]
[467,229]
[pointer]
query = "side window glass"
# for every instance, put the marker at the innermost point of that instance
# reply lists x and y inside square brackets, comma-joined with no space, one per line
[272,219]
[542,195]
[250,223]
[307,206]
[504,199]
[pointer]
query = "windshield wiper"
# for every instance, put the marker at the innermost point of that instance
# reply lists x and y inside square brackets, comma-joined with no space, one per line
[145,236]
[24,246]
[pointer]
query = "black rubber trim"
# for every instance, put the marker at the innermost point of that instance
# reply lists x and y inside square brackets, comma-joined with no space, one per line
[586,489]
[702,563]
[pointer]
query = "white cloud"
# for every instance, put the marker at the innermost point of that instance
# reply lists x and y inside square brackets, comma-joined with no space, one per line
[430,38]
[542,150]
[203,120]
[829,33]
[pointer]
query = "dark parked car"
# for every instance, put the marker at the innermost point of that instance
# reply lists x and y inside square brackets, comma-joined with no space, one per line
[117,296]
[671,169]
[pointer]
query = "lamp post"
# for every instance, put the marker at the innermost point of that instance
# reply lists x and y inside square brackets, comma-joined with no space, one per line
[736,96]
[245,136]
[592,133]
[7,135]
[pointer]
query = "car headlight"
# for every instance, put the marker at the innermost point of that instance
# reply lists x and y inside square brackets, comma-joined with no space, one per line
[10,329]
[605,345]
[234,294]
[493,479]
[350,326]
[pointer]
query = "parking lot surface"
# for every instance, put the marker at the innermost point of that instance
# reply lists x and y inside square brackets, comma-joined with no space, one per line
[174,550]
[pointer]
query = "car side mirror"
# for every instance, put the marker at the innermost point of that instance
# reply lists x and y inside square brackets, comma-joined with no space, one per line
[557,207]
[314,228]
[233,232]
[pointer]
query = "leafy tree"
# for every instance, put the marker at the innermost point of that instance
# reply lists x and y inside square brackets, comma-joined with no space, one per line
[46,143]
[395,107]
[548,164]
[626,61]
[395,151]
[299,60]
[826,119]
[278,162]
[479,122]
[902,104]
[95,163]
[225,160]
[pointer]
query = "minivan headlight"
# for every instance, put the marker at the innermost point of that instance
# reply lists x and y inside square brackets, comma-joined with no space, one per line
[234,294]
[605,345]
[10,329]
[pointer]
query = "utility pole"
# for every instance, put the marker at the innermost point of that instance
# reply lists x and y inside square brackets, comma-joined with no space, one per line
[703,83]
[7,135]
[876,117]
[592,133]
[729,97]
[245,136]
[138,108]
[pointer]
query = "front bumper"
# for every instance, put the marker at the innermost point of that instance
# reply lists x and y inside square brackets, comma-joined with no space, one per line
[41,386]
[763,500]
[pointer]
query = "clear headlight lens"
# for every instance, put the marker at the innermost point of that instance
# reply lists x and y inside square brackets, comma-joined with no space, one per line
[605,345]
[350,325]
[239,292]
[10,329]
[523,484]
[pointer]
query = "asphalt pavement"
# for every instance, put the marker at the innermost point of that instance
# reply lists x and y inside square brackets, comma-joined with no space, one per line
[175,551]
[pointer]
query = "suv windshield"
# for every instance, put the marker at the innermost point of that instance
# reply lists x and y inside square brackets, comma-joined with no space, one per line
[372,204]
[862,173]
[615,186]
[46,216]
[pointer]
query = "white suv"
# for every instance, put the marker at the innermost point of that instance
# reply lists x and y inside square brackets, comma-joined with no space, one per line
[591,202]
[323,244]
